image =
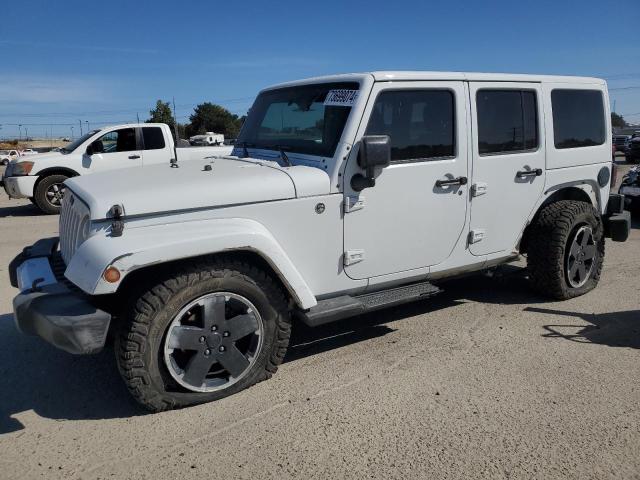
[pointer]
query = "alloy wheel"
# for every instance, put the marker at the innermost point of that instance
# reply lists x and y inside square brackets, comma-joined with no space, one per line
[54,193]
[213,342]
[581,257]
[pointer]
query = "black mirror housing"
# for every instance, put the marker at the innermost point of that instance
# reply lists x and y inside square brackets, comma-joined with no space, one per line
[375,151]
[89,150]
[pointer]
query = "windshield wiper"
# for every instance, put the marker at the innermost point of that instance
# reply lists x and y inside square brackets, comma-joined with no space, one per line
[280,149]
[244,145]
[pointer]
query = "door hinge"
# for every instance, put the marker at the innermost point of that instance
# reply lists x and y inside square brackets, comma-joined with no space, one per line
[476,235]
[478,189]
[353,203]
[353,256]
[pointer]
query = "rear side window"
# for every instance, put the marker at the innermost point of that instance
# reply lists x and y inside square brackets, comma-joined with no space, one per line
[507,121]
[153,138]
[420,123]
[578,118]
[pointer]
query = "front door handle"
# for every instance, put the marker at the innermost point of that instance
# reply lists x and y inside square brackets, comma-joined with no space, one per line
[134,157]
[529,173]
[453,181]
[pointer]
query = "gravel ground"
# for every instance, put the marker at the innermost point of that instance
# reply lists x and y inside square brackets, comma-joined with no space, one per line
[486,380]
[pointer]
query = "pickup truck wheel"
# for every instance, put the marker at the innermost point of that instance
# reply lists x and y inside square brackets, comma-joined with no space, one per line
[49,193]
[566,249]
[205,333]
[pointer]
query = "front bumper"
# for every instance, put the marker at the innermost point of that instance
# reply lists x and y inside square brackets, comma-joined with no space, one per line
[49,307]
[19,187]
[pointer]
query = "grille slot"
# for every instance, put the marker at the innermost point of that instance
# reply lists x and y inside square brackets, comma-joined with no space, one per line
[72,213]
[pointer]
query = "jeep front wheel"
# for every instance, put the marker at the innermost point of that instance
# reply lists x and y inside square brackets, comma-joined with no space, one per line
[207,332]
[566,249]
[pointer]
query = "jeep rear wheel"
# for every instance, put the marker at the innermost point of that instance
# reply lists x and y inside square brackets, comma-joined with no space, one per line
[207,332]
[566,249]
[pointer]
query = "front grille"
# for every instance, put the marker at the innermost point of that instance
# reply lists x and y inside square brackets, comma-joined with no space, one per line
[72,213]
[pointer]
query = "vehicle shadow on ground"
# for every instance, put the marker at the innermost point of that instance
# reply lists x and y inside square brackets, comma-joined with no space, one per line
[20,211]
[614,329]
[508,286]
[54,384]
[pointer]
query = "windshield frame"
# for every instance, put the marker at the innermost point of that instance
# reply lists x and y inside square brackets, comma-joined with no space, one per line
[71,147]
[249,136]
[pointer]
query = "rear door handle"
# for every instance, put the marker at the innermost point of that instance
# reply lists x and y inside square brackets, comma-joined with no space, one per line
[453,181]
[529,173]
[134,157]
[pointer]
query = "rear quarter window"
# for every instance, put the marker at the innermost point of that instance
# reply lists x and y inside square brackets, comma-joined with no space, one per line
[578,118]
[153,138]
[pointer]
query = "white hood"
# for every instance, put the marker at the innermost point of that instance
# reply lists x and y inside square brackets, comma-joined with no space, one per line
[161,188]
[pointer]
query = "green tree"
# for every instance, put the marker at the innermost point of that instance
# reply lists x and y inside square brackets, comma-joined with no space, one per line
[208,117]
[618,120]
[162,114]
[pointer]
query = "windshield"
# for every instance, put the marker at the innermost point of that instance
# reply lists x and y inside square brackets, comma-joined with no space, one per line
[308,119]
[79,141]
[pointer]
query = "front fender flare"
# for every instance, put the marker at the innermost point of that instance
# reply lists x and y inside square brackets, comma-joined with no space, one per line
[139,247]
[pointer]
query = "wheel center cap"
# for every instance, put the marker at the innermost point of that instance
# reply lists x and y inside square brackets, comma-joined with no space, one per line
[213,340]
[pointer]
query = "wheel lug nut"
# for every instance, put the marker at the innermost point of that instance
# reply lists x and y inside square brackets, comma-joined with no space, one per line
[202,339]
[214,328]
[222,349]
[207,352]
[225,334]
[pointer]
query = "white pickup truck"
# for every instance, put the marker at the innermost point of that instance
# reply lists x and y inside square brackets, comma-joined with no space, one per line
[343,195]
[41,178]
[7,155]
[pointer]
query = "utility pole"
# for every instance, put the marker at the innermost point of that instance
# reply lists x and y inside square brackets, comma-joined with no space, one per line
[71,132]
[80,122]
[138,117]
[614,106]
[87,122]
[19,132]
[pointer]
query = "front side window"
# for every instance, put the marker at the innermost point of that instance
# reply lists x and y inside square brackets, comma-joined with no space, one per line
[507,121]
[308,119]
[153,138]
[123,140]
[420,123]
[578,118]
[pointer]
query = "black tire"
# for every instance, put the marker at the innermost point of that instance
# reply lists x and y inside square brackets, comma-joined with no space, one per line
[5,161]
[32,200]
[140,344]
[551,237]
[42,194]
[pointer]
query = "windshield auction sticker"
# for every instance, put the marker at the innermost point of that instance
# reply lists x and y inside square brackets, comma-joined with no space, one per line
[341,98]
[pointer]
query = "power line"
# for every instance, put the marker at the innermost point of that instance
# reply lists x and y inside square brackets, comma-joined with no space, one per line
[110,112]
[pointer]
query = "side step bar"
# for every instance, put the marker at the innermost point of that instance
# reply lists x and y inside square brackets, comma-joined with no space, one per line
[337,308]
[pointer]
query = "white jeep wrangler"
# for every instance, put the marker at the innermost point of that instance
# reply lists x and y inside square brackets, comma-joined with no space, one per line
[344,194]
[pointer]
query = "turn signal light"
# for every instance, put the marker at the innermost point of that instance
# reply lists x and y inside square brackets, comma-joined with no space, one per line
[111,274]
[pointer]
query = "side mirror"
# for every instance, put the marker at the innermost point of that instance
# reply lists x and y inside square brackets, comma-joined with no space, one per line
[375,151]
[89,149]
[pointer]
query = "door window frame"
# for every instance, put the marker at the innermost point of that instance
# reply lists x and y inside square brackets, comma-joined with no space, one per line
[538,119]
[454,119]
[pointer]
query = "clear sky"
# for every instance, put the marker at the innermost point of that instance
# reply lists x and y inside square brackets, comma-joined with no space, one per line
[104,62]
